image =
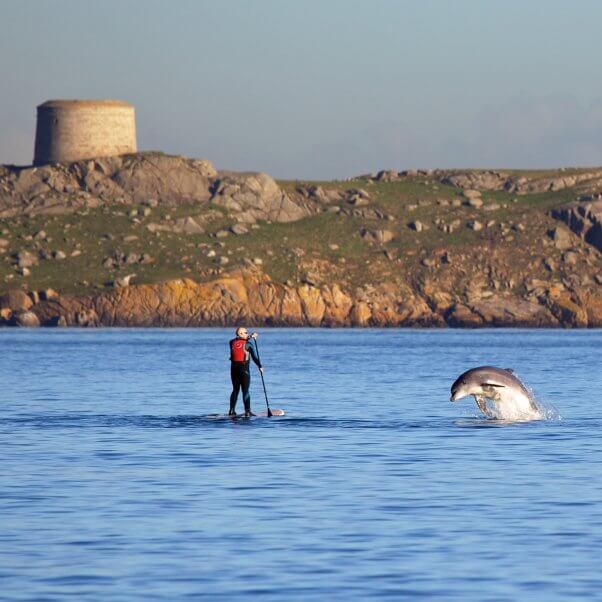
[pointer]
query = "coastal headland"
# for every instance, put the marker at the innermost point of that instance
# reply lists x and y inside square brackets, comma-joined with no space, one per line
[149,239]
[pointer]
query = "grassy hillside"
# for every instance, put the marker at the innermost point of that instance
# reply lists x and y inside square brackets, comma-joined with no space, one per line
[326,246]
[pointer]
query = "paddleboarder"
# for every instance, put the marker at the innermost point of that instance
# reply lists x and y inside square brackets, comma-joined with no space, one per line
[242,351]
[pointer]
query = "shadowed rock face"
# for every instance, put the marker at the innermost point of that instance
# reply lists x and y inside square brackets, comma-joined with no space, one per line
[584,218]
[250,296]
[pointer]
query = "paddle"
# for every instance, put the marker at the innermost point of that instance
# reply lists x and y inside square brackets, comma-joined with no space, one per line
[267,403]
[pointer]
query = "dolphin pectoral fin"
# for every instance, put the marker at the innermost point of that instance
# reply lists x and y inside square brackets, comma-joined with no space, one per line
[493,385]
[482,405]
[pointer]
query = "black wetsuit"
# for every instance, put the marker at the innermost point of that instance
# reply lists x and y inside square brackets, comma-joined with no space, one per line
[241,377]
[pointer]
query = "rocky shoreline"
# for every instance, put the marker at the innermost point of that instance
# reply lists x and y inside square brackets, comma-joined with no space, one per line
[250,297]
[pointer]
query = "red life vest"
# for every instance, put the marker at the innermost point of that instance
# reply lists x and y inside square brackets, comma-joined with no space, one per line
[238,353]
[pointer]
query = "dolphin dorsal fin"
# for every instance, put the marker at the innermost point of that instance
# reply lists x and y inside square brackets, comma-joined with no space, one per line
[509,370]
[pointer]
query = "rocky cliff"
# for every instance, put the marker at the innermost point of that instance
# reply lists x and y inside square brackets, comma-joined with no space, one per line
[251,297]
[154,240]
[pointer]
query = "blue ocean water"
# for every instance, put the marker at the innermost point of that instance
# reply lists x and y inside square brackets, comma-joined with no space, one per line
[116,485]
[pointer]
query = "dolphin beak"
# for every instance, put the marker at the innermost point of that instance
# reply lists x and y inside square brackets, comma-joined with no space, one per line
[457,394]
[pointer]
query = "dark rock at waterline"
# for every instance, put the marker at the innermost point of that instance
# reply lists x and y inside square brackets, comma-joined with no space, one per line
[56,322]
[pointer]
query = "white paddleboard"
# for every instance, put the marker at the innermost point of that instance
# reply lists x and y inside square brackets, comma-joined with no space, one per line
[276,412]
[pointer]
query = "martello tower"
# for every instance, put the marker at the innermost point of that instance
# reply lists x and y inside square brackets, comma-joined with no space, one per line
[72,130]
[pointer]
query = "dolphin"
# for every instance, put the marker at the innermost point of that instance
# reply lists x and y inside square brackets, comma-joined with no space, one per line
[508,394]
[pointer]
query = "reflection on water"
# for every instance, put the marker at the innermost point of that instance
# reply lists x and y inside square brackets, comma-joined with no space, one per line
[116,479]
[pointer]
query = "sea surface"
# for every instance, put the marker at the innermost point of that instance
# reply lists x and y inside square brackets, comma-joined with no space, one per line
[117,484]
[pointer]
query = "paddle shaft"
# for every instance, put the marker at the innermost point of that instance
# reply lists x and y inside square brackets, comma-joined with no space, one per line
[265,392]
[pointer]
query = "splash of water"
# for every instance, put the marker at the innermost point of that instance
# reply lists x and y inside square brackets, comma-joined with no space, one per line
[511,411]
[517,410]
[548,410]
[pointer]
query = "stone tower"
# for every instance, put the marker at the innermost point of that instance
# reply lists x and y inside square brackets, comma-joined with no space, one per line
[72,130]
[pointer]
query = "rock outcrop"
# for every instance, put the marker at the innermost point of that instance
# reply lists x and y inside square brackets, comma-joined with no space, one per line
[495,180]
[584,218]
[492,180]
[247,295]
[255,196]
[501,311]
[151,178]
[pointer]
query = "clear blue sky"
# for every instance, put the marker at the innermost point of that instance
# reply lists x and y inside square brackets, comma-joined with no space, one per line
[318,88]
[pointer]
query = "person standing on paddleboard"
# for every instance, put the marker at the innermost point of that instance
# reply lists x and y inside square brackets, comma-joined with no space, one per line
[241,352]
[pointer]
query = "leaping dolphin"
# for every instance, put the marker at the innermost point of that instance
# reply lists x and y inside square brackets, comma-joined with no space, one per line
[499,385]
